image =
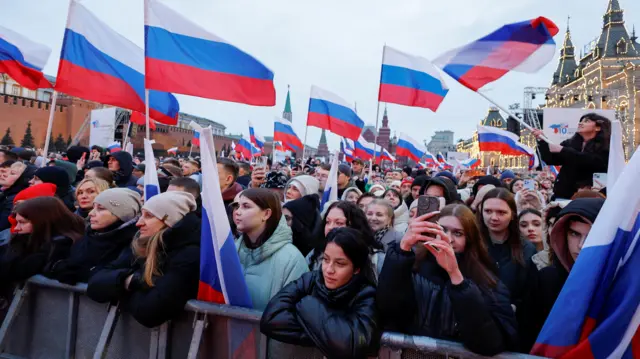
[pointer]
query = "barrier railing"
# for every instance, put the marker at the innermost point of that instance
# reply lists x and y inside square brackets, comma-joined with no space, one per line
[34,322]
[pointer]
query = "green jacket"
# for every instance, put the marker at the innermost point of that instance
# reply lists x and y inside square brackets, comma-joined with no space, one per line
[270,267]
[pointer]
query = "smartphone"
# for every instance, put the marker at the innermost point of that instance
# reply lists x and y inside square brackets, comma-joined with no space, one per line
[428,204]
[528,184]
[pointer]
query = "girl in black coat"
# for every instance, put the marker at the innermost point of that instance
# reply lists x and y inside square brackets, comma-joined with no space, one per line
[334,308]
[44,233]
[584,154]
[112,225]
[155,278]
[446,288]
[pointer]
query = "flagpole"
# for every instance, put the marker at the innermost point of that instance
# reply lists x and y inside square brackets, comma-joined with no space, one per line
[304,144]
[52,112]
[190,149]
[147,120]
[273,150]
[375,140]
[125,138]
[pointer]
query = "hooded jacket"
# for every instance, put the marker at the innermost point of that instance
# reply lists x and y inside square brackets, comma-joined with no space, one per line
[7,196]
[306,224]
[450,192]
[417,303]
[58,176]
[341,323]
[123,177]
[93,252]
[306,185]
[578,165]
[179,263]
[482,181]
[348,190]
[401,218]
[418,181]
[270,267]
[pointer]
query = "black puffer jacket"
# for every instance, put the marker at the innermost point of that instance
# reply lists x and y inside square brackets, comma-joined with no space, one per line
[123,178]
[7,196]
[416,303]
[449,188]
[517,277]
[93,252]
[342,323]
[179,263]
[578,165]
[306,223]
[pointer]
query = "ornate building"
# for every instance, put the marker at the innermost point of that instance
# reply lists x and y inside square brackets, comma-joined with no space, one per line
[606,76]
[384,134]
[441,141]
[287,114]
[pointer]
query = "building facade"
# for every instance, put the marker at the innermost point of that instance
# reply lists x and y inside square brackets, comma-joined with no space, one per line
[441,141]
[605,75]
[323,148]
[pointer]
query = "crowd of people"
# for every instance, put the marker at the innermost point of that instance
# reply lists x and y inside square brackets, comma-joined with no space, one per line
[484,269]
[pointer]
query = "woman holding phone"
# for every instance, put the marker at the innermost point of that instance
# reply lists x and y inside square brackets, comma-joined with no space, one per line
[439,281]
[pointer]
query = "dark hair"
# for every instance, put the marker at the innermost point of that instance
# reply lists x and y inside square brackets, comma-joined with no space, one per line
[603,137]
[264,199]
[476,263]
[9,155]
[104,174]
[49,217]
[530,210]
[26,155]
[325,166]
[229,166]
[352,243]
[516,179]
[7,163]
[171,161]
[513,239]
[189,184]
[366,195]
[355,219]
[170,170]
[396,193]
[578,219]
[245,166]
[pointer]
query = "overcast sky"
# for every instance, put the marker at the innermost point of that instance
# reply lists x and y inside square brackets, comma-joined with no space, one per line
[337,45]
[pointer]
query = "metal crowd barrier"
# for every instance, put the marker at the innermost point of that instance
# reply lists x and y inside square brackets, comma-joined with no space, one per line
[47,319]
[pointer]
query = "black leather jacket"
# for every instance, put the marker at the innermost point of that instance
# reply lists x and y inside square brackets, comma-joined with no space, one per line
[342,323]
[426,303]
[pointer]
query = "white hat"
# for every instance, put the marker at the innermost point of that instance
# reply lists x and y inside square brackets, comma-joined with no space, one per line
[170,207]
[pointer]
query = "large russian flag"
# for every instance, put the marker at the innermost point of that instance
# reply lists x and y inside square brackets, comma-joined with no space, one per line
[284,133]
[182,57]
[494,139]
[327,110]
[151,184]
[524,47]
[383,155]
[363,149]
[409,147]
[98,64]
[256,139]
[244,147]
[410,80]
[597,312]
[23,59]
[221,275]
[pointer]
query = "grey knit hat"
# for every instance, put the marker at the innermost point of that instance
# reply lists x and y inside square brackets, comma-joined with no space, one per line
[122,202]
[170,207]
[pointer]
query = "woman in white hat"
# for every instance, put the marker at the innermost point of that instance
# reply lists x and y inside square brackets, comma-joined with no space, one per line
[155,278]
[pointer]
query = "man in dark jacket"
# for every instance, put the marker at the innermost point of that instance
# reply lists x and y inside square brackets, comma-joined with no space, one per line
[441,187]
[244,174]
[121,164]
[228,173]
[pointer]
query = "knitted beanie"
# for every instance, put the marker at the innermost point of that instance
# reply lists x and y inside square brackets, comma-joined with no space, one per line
[39,190]
[122,202]
[170,207]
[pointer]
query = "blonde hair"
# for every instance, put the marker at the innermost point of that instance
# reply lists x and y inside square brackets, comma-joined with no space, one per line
[100,184]
[18,166]
[149,248]
[386,204]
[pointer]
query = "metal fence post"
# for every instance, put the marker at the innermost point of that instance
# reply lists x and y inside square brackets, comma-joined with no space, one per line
[158,342]
[72,326]
[107,331]
[12,313]
[198,330]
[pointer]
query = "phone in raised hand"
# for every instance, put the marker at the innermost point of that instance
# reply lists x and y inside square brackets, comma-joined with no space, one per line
[429,204]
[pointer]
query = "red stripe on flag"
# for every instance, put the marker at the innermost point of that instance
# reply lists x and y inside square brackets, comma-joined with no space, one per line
[335,125]
[208,294]
[25,76]
[409,97]
[479,76]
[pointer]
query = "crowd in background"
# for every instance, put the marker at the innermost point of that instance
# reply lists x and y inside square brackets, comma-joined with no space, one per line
[483,270]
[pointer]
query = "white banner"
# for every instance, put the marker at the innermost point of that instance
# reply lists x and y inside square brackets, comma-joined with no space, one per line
[561,123]
[102,127]
[458,156]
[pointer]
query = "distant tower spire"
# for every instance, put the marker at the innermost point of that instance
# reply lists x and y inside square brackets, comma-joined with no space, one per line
[633,34]
[567,65]
[323,148]
[287,114]
[385,118]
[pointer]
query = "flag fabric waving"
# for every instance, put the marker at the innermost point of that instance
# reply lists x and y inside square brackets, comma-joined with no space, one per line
[471,163]
[496,140]
[244,148]
[410,80]
[332,113]
[196,139]
[597,312]
[283,132]
[363,149]
[616,155]
[98,64]
[256,139]
[410,148]
[383,155]
[182,57]
[346,146]
[441,158]
[114,147]
[140,119]
[331,187]
[151,184]
[23,59]
[173,150]
[523,47]
[430,160]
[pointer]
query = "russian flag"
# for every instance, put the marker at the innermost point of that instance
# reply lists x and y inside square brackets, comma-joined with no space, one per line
[523,47]
[597,312]
[471,163]
[496,140]
[114,147]
[182,57]
[255,151]
[383,155]
[256,139]
[331,188]
[173,150]
[553,169]
[140,119]
[278,146]
[283,132]
[410,148]
[23,59]
[196,139]
[346,146]
[98,64]
[151,184]
[430,160]
[332,113]
[410,80]
[441,158]
[363,149]
[244,148]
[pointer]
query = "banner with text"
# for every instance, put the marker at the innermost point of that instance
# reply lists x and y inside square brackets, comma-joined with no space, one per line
[103,127]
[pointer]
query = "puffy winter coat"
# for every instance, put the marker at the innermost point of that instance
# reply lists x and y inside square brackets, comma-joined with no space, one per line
[342,323]
[179,263]
[413,303]
[93,252]
[306,224]
[401,218]
[578,164]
